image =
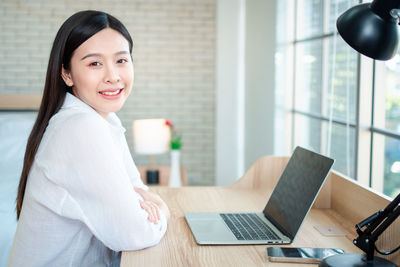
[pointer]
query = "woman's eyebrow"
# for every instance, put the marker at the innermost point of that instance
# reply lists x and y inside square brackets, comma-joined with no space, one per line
[100,55]
[91,55]
[122,52]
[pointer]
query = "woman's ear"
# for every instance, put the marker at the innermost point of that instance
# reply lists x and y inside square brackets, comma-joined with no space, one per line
[66,75]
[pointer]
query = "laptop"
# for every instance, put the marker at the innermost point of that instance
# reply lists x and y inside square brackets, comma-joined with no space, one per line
[283,215]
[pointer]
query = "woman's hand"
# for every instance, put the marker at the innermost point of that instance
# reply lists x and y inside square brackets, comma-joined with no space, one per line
[152,204]
[152,209]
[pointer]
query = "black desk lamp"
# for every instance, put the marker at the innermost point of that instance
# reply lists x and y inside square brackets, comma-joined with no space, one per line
[373,228]
[372,30]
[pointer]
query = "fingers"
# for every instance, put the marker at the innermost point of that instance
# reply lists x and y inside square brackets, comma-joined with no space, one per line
[157,210]
[152,210]
[152,204]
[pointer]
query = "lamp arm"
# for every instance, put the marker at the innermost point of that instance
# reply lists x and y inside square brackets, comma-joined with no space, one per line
[394,213]
[375,218]
[376,224]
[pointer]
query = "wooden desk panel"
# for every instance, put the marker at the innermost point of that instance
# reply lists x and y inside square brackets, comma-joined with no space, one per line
[179,248]
[20,102]
[356,203]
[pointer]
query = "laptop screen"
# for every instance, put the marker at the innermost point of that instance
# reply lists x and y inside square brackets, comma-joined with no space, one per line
[296,190]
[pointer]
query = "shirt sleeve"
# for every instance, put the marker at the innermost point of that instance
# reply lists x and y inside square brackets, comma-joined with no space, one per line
[83,159]
[130,165]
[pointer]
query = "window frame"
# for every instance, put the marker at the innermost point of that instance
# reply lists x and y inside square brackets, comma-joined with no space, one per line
[368,161]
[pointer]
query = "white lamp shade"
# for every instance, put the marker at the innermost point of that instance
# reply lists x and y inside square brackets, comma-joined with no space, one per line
[151,136]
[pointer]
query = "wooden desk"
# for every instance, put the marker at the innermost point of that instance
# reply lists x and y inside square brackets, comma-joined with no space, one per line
[342,197]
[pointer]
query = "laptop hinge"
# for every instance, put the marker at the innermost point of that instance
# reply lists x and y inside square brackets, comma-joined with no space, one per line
[277,225]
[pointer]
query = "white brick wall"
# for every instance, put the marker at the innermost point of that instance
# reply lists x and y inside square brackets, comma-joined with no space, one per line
[174,58]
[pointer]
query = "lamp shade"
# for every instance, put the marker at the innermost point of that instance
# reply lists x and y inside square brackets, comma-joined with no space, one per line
[370,29]
[151,136]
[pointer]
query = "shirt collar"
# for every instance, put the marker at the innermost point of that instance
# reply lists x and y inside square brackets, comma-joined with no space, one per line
[72,101]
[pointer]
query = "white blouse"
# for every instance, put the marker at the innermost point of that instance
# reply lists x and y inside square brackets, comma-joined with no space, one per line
[80,208]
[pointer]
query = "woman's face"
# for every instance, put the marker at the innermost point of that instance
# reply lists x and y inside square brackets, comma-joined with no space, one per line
[101,72]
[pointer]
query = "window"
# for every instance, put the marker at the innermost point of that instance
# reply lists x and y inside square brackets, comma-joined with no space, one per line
[386,127]
[334,101]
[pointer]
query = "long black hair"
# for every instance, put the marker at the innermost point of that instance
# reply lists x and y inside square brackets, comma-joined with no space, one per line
[74,31]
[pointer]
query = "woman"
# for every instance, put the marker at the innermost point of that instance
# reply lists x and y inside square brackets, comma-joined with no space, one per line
[80,198]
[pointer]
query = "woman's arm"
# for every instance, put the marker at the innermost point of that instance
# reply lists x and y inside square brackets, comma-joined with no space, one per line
[83,158]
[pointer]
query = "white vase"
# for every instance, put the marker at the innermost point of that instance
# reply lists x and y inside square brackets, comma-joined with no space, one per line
[175,175]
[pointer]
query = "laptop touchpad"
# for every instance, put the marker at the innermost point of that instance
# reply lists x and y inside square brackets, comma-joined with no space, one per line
[206,226]
[208,229]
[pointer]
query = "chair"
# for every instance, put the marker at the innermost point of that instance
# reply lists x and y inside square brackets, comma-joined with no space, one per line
[14,132]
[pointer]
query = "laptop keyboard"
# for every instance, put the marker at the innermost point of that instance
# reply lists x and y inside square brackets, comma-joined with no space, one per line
[247,226]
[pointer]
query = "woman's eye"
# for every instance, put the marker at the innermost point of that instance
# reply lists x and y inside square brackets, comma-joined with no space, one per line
[95,64]
[122,60]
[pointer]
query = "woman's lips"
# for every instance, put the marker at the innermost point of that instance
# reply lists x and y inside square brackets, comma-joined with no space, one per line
[111,93]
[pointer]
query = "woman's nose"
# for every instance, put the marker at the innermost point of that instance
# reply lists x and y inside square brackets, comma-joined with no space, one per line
[111,74]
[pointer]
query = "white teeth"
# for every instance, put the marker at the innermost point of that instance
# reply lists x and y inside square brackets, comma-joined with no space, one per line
[110,93]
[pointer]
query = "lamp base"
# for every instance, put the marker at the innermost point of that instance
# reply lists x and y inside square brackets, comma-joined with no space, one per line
[152,177]
[357,260]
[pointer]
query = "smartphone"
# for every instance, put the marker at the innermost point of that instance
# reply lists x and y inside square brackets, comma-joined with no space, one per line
[301,255]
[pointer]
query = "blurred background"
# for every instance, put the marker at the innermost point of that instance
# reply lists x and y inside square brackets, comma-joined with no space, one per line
[238,79]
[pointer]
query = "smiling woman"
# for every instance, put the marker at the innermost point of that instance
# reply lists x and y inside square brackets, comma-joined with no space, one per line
[80,198]
[101,72]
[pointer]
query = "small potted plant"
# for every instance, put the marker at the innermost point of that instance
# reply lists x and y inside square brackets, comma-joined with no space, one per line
[175,144]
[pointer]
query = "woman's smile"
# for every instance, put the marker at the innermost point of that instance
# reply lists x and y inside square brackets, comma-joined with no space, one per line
[111,93]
